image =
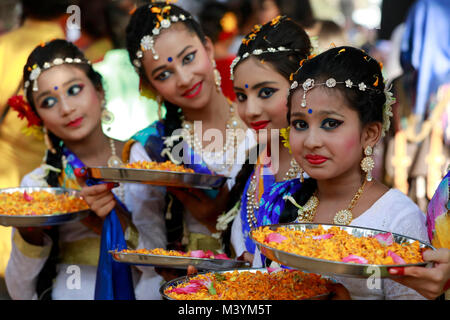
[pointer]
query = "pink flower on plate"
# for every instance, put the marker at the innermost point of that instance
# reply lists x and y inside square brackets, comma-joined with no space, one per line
[221,256]
[198,254]
[27,197]
[397,259]
[385,239]
[355,259]
[275,237]
[323,236]
[270,270]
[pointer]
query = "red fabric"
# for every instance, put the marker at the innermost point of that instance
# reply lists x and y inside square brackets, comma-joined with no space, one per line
[223,65]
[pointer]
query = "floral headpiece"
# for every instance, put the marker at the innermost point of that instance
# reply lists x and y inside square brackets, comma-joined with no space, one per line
[24,110]
[165,20]
[309,84]
[35,70]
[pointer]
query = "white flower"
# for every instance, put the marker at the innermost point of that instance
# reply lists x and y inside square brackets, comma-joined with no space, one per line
[308,84]
[348,83]
[34,74]
[58,61]
[294,85]
[362,86]
[330,83]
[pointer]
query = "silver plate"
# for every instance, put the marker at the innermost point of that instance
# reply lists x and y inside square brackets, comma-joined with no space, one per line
[42,220]
[158,177]
[176,262]
[330,267]
[181,280]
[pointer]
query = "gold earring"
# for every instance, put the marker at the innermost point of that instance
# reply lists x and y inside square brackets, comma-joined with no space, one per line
[217,77]
[302,179]
[48,141]
[367,163]
[107,116]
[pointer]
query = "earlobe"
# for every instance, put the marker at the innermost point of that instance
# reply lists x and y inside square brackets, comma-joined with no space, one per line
[372,134]
[209,47]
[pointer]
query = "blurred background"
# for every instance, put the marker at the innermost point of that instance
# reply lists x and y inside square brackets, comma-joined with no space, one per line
[411,38]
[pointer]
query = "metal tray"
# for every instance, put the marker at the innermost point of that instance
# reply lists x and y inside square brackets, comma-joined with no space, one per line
[42,220]
[176,262]
[329,267]
[184,279]
[158,177]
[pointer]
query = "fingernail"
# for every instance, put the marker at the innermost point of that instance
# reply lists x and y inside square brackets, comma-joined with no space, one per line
[397,271]
[111,185]
[80,172]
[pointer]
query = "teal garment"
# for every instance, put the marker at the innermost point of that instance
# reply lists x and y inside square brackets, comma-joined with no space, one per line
[131,111]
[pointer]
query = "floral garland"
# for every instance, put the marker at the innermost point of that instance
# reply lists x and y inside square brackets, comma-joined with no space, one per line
[24,110]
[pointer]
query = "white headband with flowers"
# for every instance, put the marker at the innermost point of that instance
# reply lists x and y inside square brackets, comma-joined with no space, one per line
[148,41]
[309,84]
[35,70]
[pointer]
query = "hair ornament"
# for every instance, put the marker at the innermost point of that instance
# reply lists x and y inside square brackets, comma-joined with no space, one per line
[35,70]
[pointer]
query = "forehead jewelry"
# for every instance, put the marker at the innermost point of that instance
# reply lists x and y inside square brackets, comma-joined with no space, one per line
[147,42]
[35,70]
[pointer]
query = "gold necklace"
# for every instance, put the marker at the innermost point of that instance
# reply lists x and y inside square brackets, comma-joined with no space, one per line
[252,196]
[114,160]
[342,217]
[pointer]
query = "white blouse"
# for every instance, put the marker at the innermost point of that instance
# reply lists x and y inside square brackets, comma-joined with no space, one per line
[393,212]
[145,202]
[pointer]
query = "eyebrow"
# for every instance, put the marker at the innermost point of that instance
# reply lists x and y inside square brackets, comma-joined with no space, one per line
[64,84]
[258,85]
[178,55]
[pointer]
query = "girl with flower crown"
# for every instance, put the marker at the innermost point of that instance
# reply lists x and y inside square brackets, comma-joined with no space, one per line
[339,109]
[174,60]
[261,71]
[64,96]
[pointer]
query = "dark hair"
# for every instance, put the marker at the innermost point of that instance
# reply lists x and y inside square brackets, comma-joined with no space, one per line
[44,9]
[142,22]
[56,49]
[343,63]
[290,35]
[286,33]
[210,17]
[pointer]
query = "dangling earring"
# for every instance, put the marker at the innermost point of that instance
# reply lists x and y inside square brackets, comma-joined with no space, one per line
[159,101]
[302,179]
[367,163]
[217,77]
[48,141]
[107,116]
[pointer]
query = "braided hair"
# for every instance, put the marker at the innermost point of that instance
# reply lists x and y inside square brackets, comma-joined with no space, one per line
[342,63]
[41,54]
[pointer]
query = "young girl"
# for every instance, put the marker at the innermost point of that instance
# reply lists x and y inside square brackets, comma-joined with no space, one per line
[266,59]
[65,97]
[174,59]
[338,111]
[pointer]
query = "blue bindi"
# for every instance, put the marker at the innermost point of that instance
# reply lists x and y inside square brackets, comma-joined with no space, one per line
[170,59]
[246,86]
[56,88]
[309,110]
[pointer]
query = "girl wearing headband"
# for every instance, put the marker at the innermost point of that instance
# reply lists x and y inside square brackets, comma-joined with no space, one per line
[339,109]
[65,96]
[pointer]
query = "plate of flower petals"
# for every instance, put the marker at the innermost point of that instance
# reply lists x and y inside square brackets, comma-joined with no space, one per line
[338,250]
[203,260]
[248,284]
[40,206]
[158,173]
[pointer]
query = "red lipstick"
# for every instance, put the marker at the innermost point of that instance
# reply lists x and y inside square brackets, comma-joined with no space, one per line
[194,91]
[75,123]
[259,125]
[315,159]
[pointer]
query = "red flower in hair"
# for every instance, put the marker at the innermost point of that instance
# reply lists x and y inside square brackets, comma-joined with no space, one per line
[24,110]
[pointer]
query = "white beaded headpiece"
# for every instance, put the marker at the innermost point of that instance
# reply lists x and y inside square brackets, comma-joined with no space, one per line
[36,70]
[148,41]
[309,84]
[255,52]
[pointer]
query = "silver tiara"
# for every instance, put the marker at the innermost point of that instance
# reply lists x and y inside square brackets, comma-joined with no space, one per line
[36,70]
[255,52]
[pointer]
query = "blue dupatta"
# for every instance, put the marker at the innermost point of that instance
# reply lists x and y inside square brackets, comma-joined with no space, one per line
[113,281]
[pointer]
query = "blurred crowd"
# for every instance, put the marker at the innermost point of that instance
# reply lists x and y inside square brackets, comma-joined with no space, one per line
[412,42]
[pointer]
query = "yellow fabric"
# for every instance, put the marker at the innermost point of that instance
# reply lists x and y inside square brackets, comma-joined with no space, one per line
[20,154]
[30,250]
[199,241]
[97,50]
[81,252]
